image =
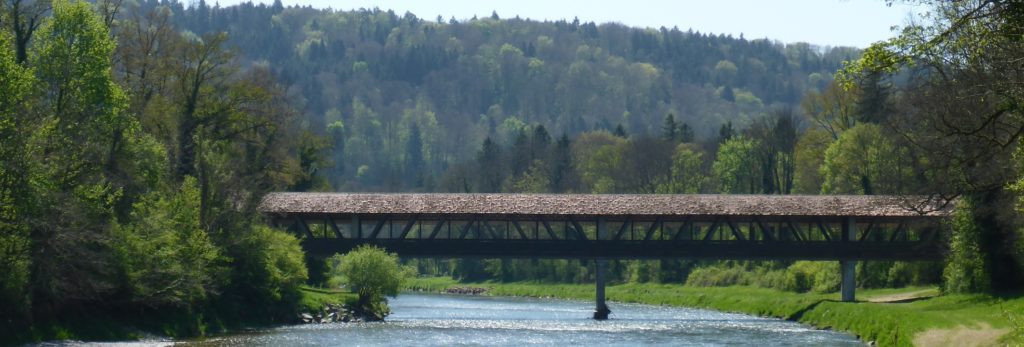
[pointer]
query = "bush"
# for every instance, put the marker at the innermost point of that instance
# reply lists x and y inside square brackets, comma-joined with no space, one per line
[817,276]
[764,275]
[372,273]
[276,265]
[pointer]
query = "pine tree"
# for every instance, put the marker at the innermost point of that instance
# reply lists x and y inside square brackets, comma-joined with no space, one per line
[685,133]
[726,132]
[669,129]
[620,131]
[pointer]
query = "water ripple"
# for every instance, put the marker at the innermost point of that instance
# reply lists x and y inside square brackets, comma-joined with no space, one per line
[445,320]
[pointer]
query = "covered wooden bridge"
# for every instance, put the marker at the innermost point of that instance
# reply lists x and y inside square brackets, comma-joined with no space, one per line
[782,227]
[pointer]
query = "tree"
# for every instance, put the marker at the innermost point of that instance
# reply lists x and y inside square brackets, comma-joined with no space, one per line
[166,256]
[959,111]
[735,166]
[596,156]
[726,132]
[620,131]
[865,161]
[24,17]
[372,273]
[686,177]
[146,44]
[202,68]
[833,110]
[776,134]
[490,167]
[15,201]
[562,171]
[414,164]
[809,155]
[86,139]
[685,133]
[965,271]
[669,128]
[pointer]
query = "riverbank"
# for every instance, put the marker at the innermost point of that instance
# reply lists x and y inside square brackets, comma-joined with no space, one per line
[916,316]
[167,324]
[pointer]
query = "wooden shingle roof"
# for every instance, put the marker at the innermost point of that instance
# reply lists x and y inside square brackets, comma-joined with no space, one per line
[606,204]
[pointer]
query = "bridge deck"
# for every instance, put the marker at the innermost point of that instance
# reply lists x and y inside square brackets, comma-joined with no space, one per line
[617,226]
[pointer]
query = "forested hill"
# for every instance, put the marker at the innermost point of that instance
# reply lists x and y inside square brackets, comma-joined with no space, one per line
[463,80]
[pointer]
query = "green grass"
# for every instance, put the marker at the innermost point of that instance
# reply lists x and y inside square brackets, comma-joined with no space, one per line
[314,299]
[889,324]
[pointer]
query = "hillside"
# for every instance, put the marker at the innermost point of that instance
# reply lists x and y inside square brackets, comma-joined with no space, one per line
[379,73]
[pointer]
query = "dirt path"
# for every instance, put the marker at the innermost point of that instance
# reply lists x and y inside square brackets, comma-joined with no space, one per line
[908,296]
[981,335]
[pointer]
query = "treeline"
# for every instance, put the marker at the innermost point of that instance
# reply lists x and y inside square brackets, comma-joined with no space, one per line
[778,154]
[131,160]
[514,105]
[381,84]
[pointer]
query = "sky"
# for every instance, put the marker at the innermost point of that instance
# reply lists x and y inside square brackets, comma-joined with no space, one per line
[855,23]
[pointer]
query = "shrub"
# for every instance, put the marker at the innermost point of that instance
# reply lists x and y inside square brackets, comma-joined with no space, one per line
[277,265]
[372,273]
[818,276]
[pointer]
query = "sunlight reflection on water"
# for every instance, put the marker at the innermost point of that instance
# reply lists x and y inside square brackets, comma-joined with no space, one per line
[446,320]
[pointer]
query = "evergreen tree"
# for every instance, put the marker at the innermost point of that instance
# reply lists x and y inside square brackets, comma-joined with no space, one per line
[685,133]
[726,132]
[491,170]
[669,128]
[727,94]
[561,165]
[620,131]
[414,164]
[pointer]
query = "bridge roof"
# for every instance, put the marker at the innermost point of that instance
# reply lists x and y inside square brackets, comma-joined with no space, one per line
[606,204]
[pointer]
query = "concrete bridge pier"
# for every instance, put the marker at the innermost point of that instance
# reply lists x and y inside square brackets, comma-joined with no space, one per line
[601,311]
[849,283]
[848,268]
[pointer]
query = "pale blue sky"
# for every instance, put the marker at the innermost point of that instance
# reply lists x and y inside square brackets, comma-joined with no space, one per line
[822,22]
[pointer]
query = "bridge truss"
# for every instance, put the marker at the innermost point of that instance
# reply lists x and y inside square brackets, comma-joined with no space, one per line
[601,227]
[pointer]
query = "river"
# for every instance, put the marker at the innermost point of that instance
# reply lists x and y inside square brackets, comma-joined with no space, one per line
[447,320]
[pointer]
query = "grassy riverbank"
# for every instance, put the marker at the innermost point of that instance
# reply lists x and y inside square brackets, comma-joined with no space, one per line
[916,313]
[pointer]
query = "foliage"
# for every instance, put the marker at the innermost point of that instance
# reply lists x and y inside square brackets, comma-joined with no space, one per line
[269,262]
[864,161]
[809,155]
[372,273]
[816,276]
[474,76]
[77,134]
[139,201]
[965,271]
[735,166]
[167,258]
[14,204]
[958,110]
[724,275]
[687,171]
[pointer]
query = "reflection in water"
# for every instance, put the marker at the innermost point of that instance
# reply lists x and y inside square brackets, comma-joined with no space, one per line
[445,320]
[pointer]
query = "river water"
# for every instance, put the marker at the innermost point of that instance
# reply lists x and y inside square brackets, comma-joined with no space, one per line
[451,320]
